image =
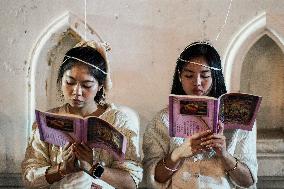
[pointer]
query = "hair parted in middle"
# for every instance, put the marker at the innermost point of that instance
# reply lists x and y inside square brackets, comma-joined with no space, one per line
[209,53]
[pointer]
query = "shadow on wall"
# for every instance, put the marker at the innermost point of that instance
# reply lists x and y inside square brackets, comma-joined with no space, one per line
[7,162]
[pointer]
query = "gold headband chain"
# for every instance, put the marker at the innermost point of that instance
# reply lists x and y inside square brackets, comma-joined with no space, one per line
[196,63]
[97,68]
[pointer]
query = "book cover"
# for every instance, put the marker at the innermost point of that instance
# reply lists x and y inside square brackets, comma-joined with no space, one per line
[239,110]
[192,114]
[58,129]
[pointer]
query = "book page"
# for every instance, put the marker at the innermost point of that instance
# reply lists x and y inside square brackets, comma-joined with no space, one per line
[100,184]
[100,134]
[191,115]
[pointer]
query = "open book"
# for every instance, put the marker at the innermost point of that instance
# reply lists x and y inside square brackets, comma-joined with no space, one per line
[192,114]
[58,129]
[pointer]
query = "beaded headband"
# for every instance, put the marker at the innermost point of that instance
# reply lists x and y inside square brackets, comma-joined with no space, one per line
[71,57]
[196,63]
[102,48]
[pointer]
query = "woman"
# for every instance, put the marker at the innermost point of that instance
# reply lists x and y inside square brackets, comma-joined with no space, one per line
[84,80]
[171,162]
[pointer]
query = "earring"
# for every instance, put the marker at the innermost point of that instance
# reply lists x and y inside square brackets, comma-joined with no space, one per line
[103,98]
[59,96]
[179,76]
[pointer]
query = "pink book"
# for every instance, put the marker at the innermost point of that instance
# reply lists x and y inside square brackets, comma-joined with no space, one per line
[192,114]
[58,129]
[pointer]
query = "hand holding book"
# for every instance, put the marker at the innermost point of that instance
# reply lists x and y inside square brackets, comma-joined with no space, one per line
[84,154]
[192,114]
[215,141]
[190,147]
[92,131]
[68,165]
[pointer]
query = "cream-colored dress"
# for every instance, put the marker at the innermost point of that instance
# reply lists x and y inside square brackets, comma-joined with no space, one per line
[207,173]
[40,155]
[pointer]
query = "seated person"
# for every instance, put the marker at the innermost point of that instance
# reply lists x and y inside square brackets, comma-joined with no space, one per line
[172,162]
[84,79]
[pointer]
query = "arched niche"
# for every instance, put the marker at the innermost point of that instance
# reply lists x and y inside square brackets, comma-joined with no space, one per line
[262,73]
[242,42]
[237,71]
[249,63]
[46,57]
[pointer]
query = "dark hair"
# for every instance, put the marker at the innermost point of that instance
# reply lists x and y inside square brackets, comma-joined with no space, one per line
[90,55]
[212,57]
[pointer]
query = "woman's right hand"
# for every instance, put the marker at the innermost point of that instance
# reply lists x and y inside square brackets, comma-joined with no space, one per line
[69,158]
[190,146]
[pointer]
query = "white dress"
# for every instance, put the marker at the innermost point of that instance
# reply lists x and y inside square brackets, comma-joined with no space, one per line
[207,173]
[40,155]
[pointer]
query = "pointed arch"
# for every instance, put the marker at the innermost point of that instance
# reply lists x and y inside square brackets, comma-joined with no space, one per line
[49,38]
[240,45]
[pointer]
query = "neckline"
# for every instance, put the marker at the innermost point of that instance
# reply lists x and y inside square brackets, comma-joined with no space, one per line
[97,113]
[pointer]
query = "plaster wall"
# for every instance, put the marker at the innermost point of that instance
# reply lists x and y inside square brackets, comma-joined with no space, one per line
[146,38]
[263,68]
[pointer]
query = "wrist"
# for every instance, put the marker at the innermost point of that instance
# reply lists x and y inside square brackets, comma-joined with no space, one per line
[228,171]
[61,170]
[172,162]
[175,157]
[96,170]
[225,156]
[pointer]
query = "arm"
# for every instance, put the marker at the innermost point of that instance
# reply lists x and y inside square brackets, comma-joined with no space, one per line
[36,162]
[38,170]
[241,174]
[129,170]
[116,176]
[246,153]
[237,169]
[156,146]
[132,164]
[162,156]
[56,173]
[170,164]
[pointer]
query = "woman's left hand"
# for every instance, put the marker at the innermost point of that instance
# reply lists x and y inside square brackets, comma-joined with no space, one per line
[84,154]
[217,141]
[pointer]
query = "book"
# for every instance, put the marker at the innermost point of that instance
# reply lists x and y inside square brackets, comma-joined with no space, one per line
[192,114]
[58,129]
[100,184]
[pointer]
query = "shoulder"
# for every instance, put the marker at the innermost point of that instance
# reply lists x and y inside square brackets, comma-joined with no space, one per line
[159,123]
[121,115]
[162,116]
[124,118]
[114,111]
[157,130]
